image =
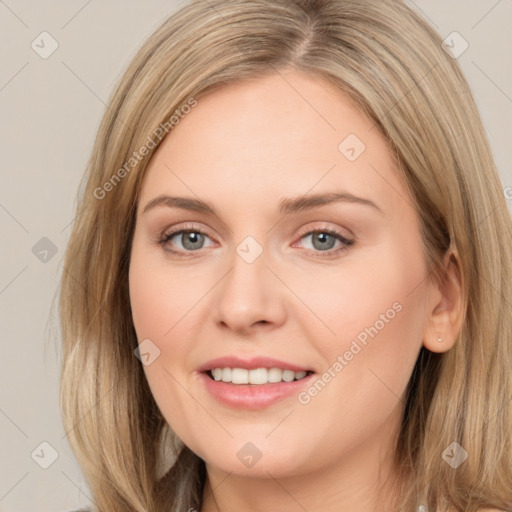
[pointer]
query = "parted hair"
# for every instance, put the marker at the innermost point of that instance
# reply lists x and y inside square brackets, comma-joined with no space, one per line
[392,65]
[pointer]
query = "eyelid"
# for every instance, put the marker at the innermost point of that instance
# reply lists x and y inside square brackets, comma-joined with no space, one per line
[345,241]
[325,227]
[306,231]
[179,228]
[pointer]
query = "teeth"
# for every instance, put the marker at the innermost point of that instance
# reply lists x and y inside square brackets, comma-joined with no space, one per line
[288,375]
[255,376]
[226,374]
[258,376]
[239,376]
[275,375]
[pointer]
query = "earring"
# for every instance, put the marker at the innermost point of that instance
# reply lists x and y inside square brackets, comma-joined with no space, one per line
[440,340]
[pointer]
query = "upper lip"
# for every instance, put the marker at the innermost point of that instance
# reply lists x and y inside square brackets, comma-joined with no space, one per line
[250,364]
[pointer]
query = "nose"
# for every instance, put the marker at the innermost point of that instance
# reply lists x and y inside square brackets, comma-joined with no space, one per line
[250,297]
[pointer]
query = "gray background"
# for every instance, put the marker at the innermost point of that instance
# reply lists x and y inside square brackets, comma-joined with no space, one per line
[50,110]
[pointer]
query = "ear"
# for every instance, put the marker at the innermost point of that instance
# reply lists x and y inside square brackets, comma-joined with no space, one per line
[445,311]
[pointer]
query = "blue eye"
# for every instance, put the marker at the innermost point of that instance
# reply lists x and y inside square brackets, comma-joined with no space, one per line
[192,240]
[324,240]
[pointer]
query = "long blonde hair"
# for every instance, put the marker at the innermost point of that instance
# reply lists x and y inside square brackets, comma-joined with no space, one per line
[392,65]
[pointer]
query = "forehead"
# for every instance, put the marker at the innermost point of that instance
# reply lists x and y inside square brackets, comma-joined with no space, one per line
[277,135]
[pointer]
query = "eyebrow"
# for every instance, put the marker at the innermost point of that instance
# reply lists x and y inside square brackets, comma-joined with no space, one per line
[286,206]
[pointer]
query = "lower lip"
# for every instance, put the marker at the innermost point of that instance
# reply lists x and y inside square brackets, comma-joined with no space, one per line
[252,396]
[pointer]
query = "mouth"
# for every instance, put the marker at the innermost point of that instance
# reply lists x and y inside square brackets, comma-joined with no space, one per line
[253,382]
[255,376]
[255,388]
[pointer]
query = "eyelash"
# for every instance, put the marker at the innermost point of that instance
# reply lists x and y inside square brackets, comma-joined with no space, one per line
[166,237]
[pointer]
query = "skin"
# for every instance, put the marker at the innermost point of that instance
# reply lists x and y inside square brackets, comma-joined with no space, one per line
[243,148]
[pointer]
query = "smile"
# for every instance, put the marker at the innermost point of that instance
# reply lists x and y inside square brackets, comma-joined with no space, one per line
[256,376]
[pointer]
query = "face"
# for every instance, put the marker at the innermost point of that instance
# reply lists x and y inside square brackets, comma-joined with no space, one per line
[258,279]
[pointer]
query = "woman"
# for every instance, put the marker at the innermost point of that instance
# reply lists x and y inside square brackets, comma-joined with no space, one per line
[217,355]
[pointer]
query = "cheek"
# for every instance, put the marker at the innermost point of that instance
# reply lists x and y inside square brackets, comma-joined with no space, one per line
[150,299]
[159,304]
[374,308]
[378,324]
[376,292]
[162,312]
[160,298]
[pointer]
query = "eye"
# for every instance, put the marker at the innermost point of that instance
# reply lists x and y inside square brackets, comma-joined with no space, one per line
[191,240]
[323,241]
